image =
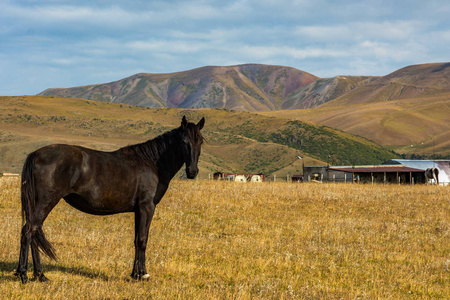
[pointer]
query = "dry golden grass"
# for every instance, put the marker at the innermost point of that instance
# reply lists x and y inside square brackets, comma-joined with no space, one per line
[224,240]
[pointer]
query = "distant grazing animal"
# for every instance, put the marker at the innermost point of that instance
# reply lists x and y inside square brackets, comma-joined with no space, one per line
[432,173]
[131,179]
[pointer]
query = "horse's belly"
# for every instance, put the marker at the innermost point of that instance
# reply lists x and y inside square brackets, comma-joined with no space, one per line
[107,204]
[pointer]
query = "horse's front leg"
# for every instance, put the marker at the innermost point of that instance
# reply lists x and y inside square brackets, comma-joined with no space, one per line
[143,219]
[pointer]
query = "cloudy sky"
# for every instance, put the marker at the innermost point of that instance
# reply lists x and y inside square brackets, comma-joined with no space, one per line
[65,43]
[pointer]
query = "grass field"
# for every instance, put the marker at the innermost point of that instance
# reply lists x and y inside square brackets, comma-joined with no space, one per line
[223,240]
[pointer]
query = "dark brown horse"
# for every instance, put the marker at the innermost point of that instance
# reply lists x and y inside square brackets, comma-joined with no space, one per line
[131,179]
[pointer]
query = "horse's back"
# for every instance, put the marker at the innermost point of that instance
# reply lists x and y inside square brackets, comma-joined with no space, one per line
[64,155]
[64,160]
[60,160]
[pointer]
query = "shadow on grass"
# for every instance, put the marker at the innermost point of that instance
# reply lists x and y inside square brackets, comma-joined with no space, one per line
[8,269]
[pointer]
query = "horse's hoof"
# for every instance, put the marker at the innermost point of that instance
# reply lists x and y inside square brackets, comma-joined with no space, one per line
[41,278]
[140,277]
[23,277]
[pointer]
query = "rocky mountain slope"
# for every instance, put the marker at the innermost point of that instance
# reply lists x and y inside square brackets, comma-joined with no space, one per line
[245,88]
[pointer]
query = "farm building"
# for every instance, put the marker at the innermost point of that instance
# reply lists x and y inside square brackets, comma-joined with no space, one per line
[322,173]
[382,173]
[392,171]
[316,173]
[239,177]
[443,165]
[297,178]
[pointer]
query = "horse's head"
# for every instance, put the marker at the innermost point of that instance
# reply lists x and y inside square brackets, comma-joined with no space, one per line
[192,142]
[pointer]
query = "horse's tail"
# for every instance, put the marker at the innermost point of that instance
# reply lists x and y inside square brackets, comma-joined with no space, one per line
[28,197]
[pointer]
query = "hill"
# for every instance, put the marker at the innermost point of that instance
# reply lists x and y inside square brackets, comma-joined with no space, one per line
[413,126]
[236,141]
[418,81]
[407,110]
[250,87]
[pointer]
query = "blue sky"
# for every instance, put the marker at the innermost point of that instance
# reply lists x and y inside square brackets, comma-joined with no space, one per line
[61,43]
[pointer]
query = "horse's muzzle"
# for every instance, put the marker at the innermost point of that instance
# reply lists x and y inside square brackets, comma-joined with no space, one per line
[191,174]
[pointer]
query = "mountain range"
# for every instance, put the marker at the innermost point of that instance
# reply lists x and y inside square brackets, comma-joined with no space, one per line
[246,88]
[255,87]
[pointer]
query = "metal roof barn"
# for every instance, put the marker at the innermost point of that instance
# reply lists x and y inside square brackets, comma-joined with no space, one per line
[383,173]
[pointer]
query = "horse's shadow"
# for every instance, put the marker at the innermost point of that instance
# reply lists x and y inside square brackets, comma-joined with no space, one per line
[10,267]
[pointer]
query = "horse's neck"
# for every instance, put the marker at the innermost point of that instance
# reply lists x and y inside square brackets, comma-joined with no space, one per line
[163,152]
[168,157]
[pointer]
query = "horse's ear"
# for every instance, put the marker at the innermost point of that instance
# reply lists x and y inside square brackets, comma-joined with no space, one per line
[183,122]
[201,123]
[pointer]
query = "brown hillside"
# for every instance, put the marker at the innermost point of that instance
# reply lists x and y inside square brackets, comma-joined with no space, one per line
[324,90]
[249,87]
[421,122]
[236,141]
[409,82]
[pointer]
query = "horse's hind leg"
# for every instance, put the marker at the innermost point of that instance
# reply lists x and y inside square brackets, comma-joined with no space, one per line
[43,208]
[25,240]
[32,234]
[38,272]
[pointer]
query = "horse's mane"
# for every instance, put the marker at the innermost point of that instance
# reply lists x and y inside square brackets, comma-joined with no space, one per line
[150,152]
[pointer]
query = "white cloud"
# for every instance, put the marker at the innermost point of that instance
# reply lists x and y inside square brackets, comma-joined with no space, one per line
[409,50]
[266,52]
[173,46]
[353,31]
